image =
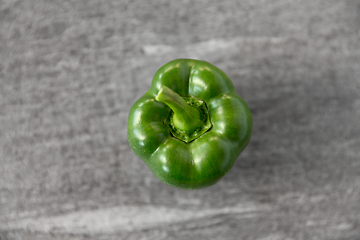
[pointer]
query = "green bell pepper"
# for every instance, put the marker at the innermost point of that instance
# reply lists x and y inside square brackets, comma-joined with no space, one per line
[191,126]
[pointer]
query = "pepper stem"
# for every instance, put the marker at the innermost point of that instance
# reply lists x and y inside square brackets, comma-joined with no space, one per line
[186,117]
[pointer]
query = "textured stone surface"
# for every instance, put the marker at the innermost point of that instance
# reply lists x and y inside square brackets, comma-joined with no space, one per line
[71,70]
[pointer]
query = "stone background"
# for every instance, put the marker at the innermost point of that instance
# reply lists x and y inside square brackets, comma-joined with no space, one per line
[71,70]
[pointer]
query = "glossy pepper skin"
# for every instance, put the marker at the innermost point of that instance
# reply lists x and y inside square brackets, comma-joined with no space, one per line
[203,160]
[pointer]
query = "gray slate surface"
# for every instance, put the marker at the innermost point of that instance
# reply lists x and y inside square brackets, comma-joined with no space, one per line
[71,70]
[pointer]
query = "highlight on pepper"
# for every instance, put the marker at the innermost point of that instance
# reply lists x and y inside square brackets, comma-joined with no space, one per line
[191,126]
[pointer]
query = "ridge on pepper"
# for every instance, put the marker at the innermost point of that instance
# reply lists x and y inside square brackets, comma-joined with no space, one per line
[191,126]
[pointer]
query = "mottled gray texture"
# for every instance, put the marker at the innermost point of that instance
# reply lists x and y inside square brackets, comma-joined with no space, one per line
[71,70]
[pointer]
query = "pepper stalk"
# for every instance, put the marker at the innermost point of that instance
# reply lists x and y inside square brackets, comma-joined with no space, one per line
[186,118]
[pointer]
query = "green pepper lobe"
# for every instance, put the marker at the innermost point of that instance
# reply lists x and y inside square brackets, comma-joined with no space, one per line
[191,125]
